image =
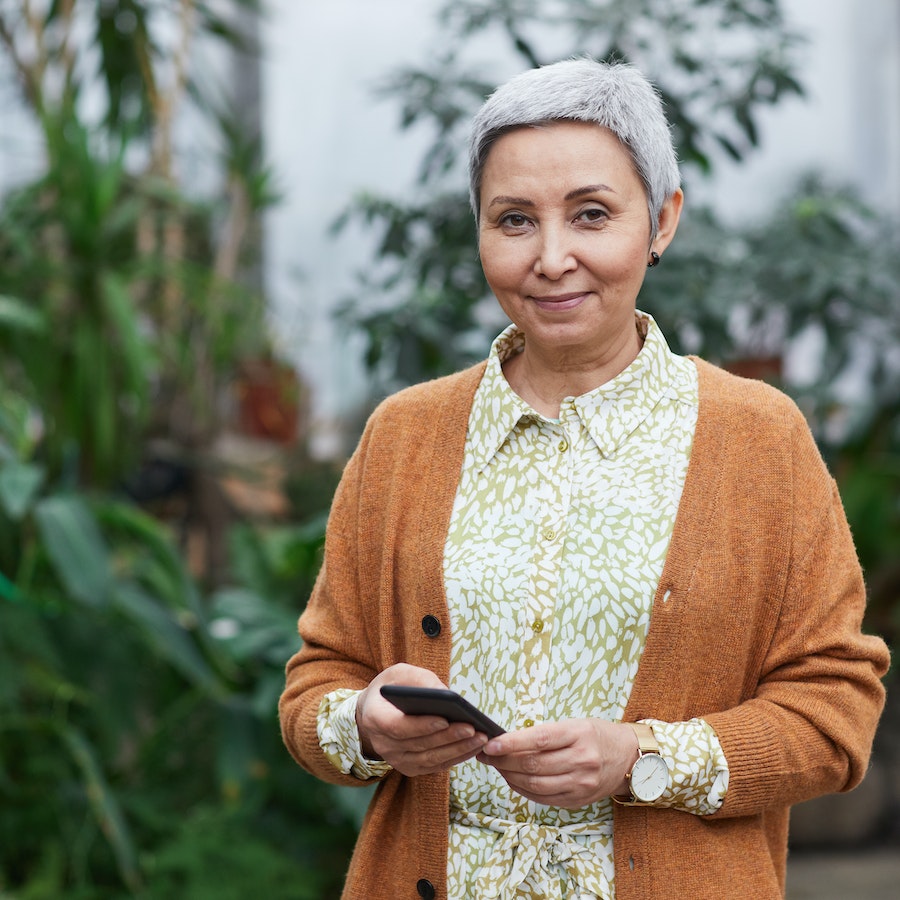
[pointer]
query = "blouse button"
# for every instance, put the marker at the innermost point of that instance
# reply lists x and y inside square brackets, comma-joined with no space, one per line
[537,626]
[431,626]
[563,446]
[528,723]
[549,534]
[521,817]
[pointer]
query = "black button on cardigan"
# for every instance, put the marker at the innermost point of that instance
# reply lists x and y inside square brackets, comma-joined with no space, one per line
[425,889]
[431,626]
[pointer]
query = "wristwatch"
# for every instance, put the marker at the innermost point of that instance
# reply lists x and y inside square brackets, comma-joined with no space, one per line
[649,776]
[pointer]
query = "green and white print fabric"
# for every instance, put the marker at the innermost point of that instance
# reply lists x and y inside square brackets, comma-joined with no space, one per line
[557,541]
[556,545]
[339,737]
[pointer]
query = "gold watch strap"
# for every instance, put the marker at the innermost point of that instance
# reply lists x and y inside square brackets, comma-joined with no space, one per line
[647,743]
[646,739]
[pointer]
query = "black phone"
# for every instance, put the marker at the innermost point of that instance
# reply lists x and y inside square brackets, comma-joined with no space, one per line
[422,701]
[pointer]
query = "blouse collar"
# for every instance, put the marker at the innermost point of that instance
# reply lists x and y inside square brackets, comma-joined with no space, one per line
[610,413]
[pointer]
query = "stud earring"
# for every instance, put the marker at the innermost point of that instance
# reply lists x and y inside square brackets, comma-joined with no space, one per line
[654,259]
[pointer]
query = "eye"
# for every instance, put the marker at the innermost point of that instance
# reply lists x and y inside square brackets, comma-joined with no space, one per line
[592,214]
[514,220]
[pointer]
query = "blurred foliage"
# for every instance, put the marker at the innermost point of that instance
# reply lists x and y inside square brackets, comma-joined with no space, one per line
[820,267]
[140,748]
[127,308]
[716,63]
[128,285]
[140,753]
[66,269]
[425,293]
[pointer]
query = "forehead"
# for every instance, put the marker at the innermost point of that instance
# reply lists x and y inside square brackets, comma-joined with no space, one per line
[558,150]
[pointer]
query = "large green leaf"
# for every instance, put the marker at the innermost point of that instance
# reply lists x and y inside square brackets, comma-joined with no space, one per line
[252,628]
[76,548]
[132,348]
[17,314]
[172,582]
[105,806]
[171,639]
[19,484]
[238,755]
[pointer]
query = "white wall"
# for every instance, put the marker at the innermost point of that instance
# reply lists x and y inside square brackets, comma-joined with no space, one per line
[329,138]
[847,126]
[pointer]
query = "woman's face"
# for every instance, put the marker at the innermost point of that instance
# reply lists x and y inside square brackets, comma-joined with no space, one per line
[564,234]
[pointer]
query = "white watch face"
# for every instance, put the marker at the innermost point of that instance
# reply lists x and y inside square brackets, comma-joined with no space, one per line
[649,778]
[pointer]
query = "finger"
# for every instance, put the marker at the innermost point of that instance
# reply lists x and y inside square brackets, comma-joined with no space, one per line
[445,736]
[451,754]
[403,673]
[571,788]
[551,791]
[538,738]
[440,758]
[550,762]
[404,728]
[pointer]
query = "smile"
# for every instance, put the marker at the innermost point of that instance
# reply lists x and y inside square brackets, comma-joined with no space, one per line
[560,302]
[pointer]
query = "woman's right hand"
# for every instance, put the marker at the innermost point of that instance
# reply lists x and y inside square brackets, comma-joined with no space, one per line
[413,745]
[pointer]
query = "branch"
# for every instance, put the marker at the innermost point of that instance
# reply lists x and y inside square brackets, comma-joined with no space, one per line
[67,55]
[235,228]
[30,79]
[164,104]
[38,30]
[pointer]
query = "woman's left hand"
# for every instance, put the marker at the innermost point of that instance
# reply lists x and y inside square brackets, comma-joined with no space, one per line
[569,764]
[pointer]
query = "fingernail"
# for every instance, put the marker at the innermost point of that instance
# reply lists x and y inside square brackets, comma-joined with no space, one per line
[493,747]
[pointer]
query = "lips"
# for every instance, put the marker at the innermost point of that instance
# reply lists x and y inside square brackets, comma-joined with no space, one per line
[559,302]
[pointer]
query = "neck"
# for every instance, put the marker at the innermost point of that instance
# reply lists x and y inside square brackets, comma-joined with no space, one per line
[544,379]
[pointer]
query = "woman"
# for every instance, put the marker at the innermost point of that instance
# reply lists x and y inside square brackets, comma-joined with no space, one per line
[629,559]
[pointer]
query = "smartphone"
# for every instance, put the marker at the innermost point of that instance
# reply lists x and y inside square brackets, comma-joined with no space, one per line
[422,701]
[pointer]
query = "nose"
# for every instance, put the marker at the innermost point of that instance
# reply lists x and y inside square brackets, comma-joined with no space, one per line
[555,256]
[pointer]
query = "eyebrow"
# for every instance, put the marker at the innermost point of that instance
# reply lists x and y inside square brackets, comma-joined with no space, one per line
[589,189]
[572,195]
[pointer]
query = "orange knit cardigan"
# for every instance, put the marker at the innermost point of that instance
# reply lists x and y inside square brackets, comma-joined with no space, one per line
[755,627]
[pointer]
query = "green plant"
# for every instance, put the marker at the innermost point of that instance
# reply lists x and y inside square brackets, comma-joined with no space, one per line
[138,723]
[71,337]
[137,717]
[135,287]
[216,855]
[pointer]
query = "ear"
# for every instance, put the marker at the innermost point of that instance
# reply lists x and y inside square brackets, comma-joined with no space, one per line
[668,221]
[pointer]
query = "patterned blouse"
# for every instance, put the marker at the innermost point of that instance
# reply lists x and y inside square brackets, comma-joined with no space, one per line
[556,545]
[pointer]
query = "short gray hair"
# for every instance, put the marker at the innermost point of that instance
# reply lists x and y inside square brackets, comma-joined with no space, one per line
[614,95]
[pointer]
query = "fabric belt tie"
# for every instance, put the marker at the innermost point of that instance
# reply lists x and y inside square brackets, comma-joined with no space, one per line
[532,850]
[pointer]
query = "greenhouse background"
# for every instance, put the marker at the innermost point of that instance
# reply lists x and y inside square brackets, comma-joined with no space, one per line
[227,229]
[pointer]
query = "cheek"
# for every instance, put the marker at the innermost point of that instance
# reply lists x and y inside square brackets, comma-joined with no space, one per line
[504,265]
[619,260]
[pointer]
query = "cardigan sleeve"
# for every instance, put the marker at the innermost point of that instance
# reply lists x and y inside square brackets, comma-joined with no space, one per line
[336,653]
[808,727]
